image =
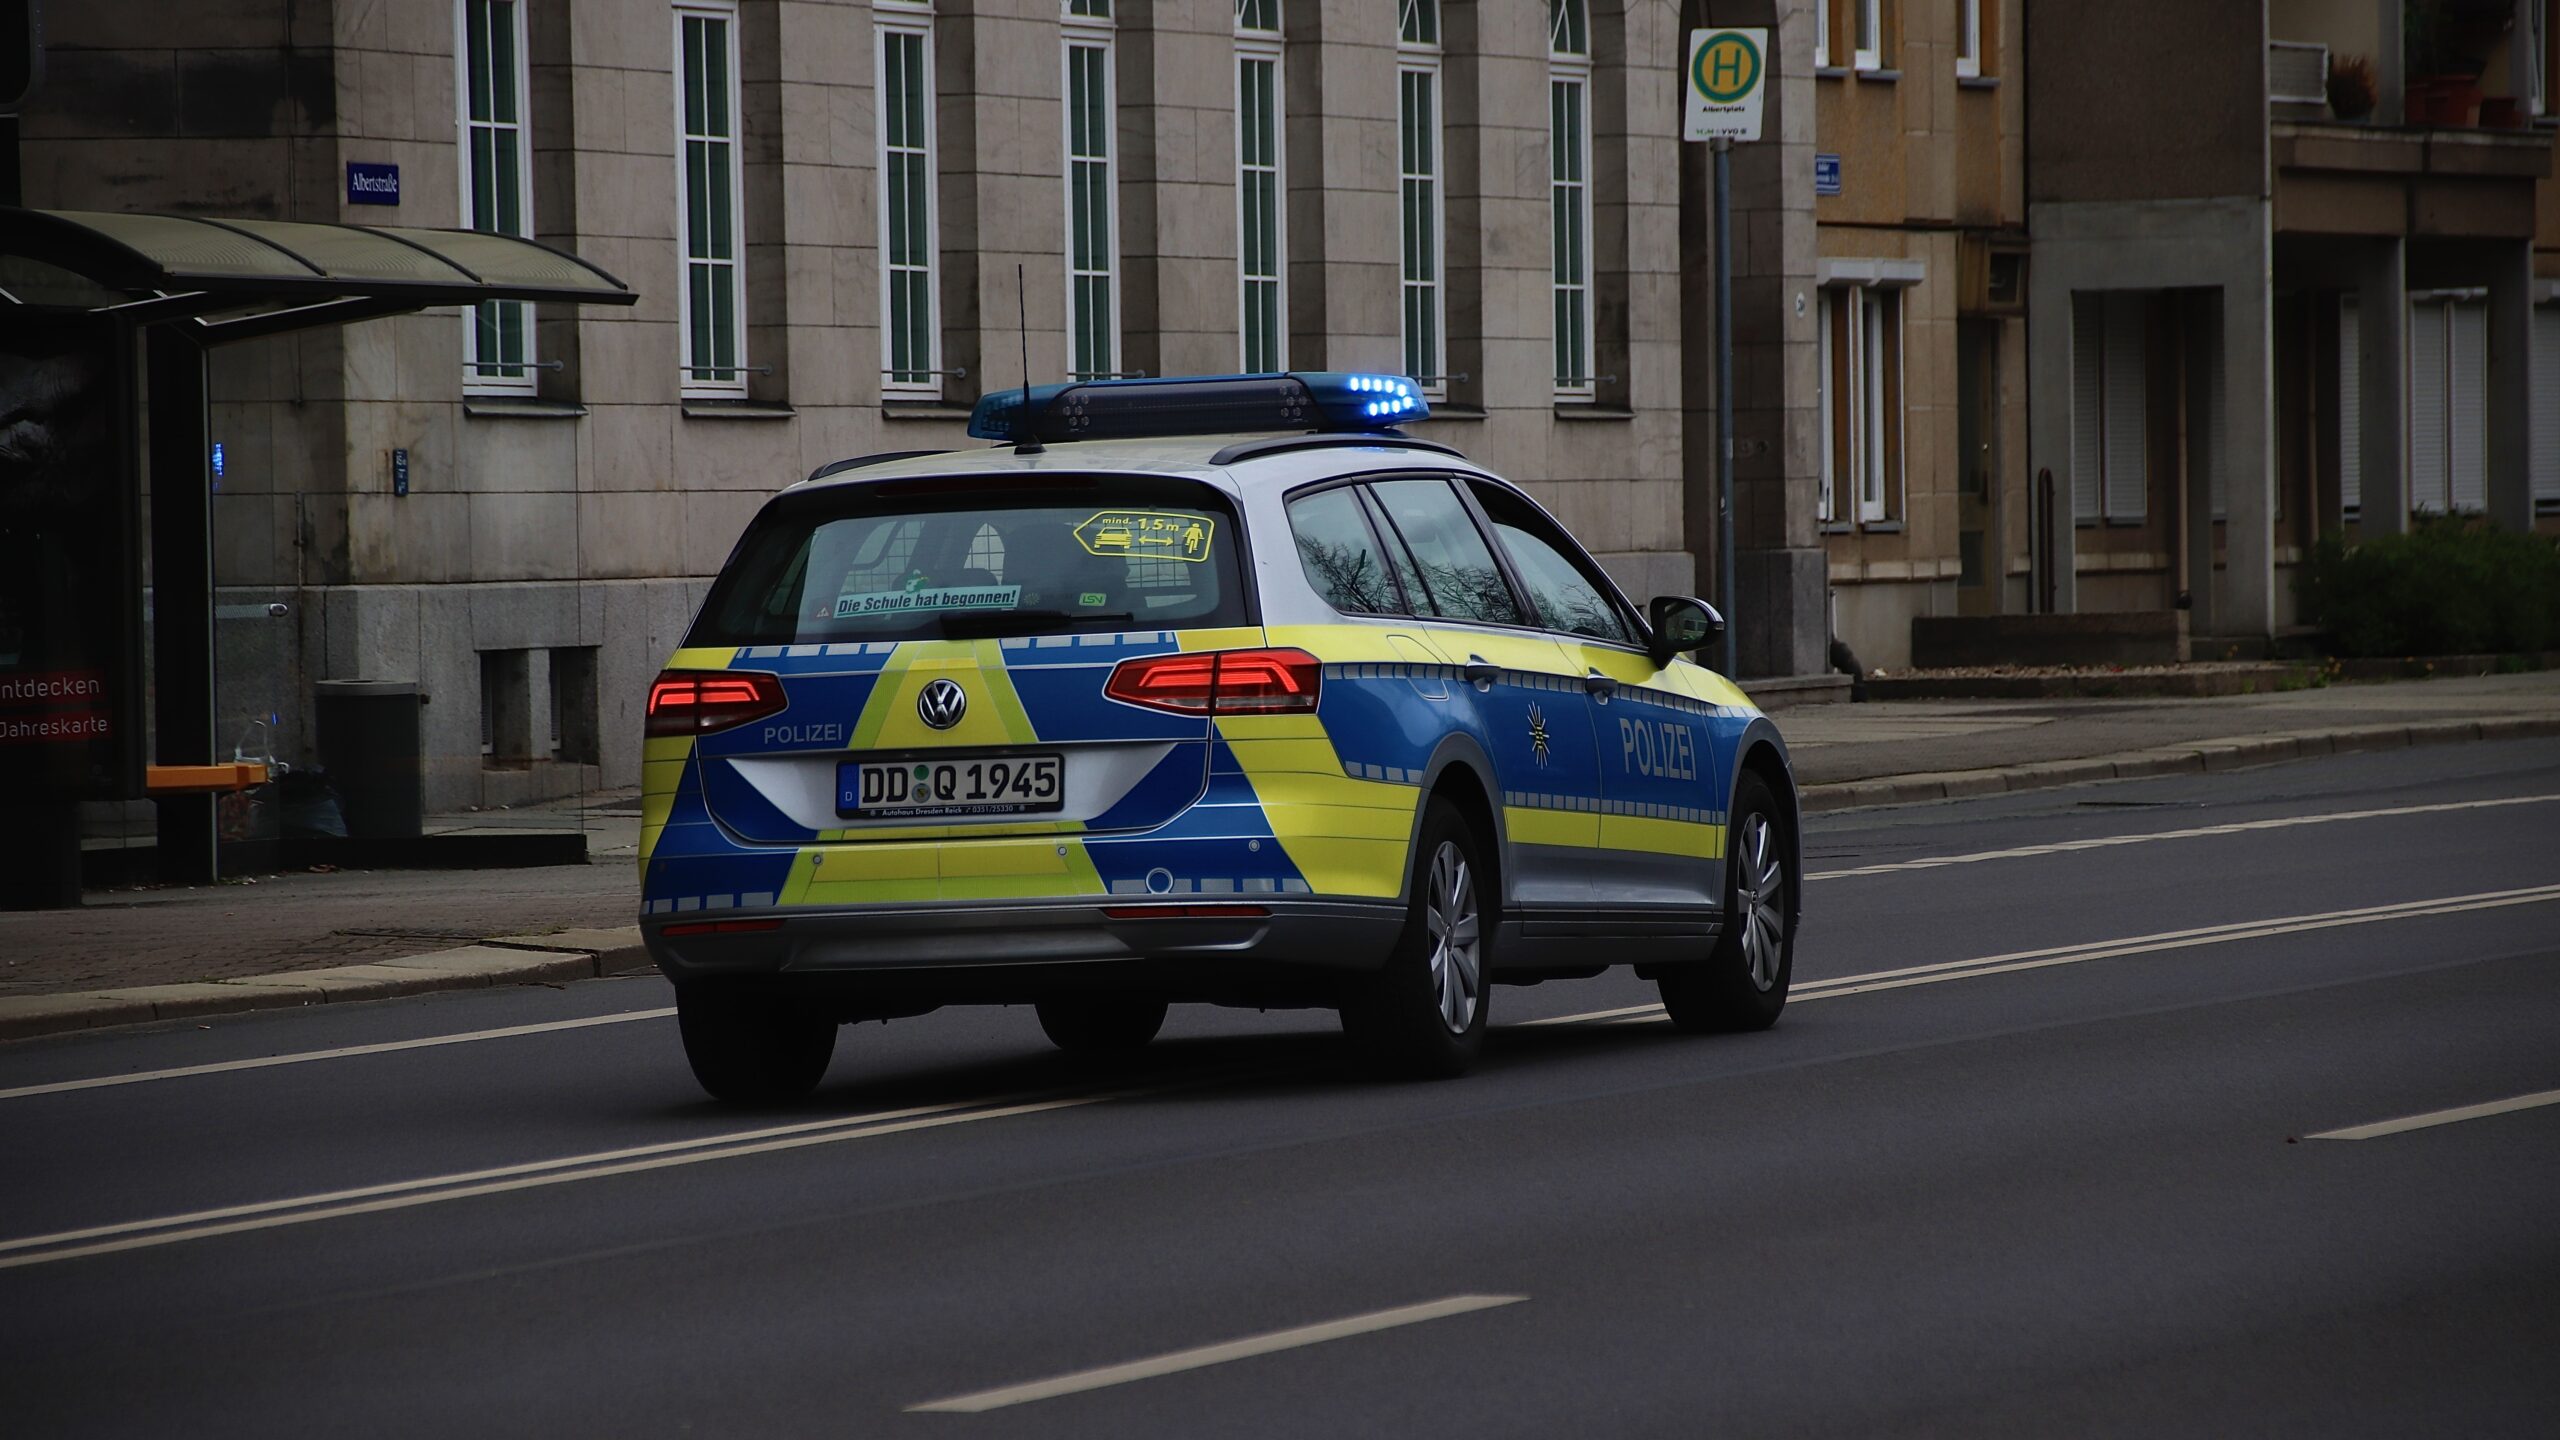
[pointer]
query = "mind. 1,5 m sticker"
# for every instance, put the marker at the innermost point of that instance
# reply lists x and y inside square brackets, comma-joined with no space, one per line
[1156,534]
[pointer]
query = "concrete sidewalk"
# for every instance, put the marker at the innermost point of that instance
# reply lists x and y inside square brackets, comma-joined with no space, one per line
[308,938]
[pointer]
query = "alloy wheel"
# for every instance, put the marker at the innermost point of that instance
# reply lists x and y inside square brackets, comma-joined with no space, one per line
[1758,905]
[1456,929]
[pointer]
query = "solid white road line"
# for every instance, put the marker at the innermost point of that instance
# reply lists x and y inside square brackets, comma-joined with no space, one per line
[2105,842]
[2433,1118]
[1207,1355]
[2101,950]
[438,1189]
[60,1087]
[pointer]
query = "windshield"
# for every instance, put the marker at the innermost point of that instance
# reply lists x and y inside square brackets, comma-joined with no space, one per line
[948,560]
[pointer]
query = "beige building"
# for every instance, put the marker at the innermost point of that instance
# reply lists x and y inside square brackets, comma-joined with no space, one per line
[1921,239]
[824,207]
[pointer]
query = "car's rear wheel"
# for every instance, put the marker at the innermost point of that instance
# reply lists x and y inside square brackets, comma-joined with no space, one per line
[1423,1015]
[751,1047]
[1743,984]
[1090,1024]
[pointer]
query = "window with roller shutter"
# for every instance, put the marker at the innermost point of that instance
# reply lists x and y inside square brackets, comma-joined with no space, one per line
[2110,448]
[2546,407]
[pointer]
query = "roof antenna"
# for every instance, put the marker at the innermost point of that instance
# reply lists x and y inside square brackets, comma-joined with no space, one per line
[1026,439]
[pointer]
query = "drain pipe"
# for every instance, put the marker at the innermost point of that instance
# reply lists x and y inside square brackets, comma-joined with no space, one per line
[1843,659]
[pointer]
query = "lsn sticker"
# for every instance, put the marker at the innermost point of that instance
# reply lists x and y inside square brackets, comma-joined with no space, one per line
[1154,534]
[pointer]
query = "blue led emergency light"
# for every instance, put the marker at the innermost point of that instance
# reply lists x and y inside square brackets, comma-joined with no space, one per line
[1331,400]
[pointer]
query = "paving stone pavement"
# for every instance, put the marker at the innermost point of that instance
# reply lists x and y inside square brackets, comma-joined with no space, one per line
[339,930]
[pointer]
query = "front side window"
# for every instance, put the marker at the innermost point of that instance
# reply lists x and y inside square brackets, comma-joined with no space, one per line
[1969,37]
[1093,300]
[497,187]
[713,319]
[1340,554]
[1079,554]
[1418,171]
[1260,188]
[1455,571]
[1564,587]
[1569,193]
[909,339]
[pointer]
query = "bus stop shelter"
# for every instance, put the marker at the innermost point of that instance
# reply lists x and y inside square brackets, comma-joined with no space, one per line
[106,325]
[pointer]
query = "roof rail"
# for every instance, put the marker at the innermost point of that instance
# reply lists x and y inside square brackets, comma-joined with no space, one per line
[838,467]
[1282,444]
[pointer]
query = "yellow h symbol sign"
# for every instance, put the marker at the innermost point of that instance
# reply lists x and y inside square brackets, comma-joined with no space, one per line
[1725,67]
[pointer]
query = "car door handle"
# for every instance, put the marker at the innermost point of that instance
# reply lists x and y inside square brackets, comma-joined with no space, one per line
[1480,671]
[1599,684]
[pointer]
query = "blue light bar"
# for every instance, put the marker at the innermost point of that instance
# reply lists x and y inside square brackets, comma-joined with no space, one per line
[1330,400]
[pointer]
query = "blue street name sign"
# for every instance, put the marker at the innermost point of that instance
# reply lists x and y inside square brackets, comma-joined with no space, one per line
[1826,174]
[372,183]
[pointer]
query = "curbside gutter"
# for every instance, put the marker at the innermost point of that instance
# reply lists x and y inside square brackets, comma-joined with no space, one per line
[508,960]
[586,954]
[2194,758]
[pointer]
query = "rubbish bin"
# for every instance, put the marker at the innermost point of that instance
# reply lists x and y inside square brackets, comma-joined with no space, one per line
[369,745]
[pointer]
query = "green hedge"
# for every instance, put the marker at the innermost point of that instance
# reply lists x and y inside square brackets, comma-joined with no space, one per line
[2448,587]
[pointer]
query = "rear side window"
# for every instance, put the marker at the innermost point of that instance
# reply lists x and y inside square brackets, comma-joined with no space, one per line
[1457,574]
[1340,555]
[926,560]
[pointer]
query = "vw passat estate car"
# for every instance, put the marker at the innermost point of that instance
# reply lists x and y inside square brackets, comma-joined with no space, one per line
[1209,690]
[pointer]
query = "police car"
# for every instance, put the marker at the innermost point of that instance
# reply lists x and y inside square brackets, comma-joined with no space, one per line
[1210,690]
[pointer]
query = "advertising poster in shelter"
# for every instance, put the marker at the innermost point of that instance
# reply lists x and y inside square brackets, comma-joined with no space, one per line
[70,590]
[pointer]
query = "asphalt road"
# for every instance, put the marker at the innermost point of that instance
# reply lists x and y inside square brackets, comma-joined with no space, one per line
[2038,1149]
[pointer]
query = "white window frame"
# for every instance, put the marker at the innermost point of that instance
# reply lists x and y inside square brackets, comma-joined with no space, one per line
[1878,459]
[479,378]
[2545,408]
[704,382]
[1569,70]
[1420,59]
[1822,33]
[1087,25]
[2458,482]
[1968,39]
[1261,48]
[1870,16]
[897,20]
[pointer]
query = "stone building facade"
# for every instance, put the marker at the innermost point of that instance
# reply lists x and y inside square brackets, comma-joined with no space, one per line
[824,205]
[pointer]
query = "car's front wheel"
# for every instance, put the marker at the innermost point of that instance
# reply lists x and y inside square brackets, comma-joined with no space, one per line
[1423,1015]
[750,1047]
[1091,1024]
[1743,984]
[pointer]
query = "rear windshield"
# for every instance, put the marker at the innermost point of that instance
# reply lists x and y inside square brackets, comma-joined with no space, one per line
[944,560]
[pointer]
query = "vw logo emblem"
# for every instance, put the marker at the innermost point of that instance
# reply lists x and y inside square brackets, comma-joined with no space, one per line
[942,703]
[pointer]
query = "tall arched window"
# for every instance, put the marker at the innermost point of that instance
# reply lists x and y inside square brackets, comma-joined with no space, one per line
[910,341]
[1093,241]
[1418,168]
[1261,190]
[1569,191]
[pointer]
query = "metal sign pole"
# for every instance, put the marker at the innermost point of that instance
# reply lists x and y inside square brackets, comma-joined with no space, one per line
[1724,394]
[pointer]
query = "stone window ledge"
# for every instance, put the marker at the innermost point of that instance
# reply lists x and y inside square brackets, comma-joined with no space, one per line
[923,410]
[1977,82]
[1594,412]
[495,407]
[736,410]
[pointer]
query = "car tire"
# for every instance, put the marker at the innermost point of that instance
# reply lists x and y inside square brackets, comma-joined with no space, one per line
[1422,1016]
[1101,1024]
[1743,984]
[752,1048]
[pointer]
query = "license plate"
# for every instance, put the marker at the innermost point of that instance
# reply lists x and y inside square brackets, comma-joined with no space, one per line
[975,785]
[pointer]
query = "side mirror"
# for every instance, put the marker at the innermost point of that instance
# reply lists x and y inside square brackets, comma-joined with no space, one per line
[1682,623]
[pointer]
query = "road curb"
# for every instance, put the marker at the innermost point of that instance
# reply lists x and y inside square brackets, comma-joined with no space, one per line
[511,960]
[2194,758]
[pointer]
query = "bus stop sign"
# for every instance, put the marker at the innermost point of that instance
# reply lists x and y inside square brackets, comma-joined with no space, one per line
[1723,83]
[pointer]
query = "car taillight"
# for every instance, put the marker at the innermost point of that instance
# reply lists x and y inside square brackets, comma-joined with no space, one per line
[1221,682]
[699,702]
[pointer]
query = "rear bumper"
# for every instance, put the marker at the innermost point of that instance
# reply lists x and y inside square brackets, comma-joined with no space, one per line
[948,954]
